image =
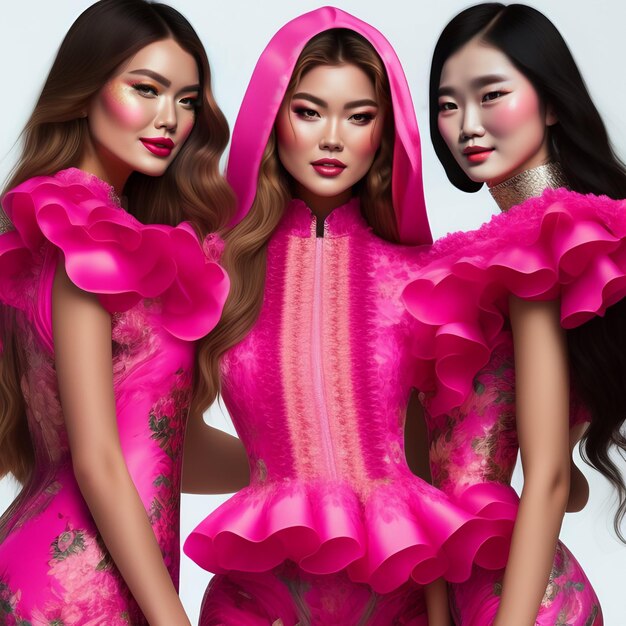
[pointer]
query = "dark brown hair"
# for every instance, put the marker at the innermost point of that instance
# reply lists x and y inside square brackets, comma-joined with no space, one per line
[104,36]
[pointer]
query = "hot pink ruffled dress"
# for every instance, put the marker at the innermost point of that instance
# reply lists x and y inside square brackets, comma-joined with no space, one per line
[334,528]
[318,393]
[54,567]
[561,245]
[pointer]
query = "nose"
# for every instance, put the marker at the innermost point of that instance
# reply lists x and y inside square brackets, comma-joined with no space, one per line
[166,115]
[331,139]
[471,124]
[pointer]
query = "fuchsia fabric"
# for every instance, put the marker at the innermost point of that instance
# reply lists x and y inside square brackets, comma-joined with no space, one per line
[561,245]
[318,392]
[162,292]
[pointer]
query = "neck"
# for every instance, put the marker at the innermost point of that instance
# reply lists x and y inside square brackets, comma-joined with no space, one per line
[528,184]
[322,206]
[105,166]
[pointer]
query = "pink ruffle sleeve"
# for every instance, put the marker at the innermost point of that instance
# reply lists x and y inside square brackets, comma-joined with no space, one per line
[561,245]
[109,253]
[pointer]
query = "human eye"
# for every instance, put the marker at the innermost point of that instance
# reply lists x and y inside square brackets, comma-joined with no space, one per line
[146,90]
[190,102]
[490,96]
[362,119]
[305,113]
[447,105]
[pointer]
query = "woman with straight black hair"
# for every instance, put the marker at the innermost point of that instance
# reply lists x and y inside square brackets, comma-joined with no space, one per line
[508,107]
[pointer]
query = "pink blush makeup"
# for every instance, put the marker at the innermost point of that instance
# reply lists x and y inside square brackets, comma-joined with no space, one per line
[119,101]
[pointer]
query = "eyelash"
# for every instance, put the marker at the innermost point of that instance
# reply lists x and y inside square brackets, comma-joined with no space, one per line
[304,113]
[447,106]
[366,118]
[497,93]
[309,114]
[144,89]
[150,91]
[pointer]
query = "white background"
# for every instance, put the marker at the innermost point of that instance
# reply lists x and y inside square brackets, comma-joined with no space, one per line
[234,34]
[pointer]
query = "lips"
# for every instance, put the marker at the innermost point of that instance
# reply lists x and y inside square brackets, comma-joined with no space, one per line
[477,154]
[328,167]
[159,146]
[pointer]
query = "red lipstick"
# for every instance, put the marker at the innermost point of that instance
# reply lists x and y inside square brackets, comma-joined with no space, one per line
[477,154]
[160,146]
[328,167]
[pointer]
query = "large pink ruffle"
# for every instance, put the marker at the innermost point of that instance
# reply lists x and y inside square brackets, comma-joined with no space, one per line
[561,245]
[396,532]
[109,253]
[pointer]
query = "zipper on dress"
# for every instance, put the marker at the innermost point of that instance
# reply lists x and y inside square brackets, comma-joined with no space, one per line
[319,386]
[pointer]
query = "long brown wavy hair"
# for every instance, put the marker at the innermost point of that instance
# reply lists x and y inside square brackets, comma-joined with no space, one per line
[246,243]
[104,36]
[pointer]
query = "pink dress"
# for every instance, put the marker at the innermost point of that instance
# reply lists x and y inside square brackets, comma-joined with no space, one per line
[334,528]
[54,567]
[561,245]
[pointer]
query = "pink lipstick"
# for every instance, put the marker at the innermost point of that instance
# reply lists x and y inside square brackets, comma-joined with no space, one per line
[328,167]
[160,146]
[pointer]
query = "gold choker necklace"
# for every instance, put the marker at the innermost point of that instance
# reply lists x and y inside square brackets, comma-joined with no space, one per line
[528,184]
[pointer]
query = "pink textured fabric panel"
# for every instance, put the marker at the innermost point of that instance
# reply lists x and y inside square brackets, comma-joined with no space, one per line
[240,599]
[569,598]
[562,245]
[324,424]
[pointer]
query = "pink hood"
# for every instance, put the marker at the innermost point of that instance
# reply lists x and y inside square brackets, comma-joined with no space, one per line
[265,94]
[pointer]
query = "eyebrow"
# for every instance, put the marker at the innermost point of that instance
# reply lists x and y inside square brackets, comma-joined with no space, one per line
[366,102]
[476,83]
[164,81]
[322,103]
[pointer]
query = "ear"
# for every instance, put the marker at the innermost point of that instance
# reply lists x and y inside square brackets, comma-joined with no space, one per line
[551,118]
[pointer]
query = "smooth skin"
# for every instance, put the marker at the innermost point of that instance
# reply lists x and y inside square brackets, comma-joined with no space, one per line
[82,340]
[542,407]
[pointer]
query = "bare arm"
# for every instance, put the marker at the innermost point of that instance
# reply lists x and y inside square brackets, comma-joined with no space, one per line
[82,339]
[214,461]
[542,401]
[416,450]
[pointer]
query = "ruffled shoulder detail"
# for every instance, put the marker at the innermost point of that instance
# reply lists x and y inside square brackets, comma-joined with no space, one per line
[110,253]
[560,245]
[399,531]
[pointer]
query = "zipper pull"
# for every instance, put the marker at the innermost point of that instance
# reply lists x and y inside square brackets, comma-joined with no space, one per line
[319,227]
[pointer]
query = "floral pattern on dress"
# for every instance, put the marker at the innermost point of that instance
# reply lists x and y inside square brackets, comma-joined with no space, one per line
[167,419]
[478,441]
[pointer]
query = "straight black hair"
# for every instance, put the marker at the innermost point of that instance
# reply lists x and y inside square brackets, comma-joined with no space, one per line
[580,143]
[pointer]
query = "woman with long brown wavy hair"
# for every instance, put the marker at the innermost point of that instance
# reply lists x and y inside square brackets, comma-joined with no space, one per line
[100,308]
[334,528]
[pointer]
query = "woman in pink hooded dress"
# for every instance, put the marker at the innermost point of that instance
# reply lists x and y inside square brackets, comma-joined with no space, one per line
[334,528]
